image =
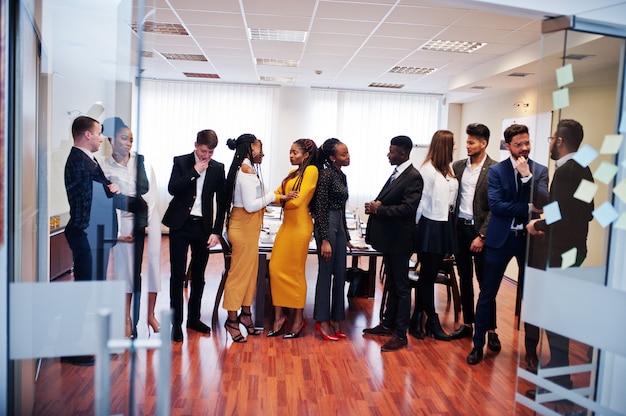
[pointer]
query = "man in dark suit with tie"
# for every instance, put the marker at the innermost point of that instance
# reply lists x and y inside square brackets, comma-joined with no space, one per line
[196,179]
[86,211]
[81,171]
[511,201]
[390,230]
[571,230]
[472,213]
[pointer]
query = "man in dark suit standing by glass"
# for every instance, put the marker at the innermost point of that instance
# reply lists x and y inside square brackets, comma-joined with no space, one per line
[390,230]
[196,179]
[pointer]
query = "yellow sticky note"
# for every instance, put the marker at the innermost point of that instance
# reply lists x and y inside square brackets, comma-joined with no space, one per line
[560,98]
[620,190]
[611,144]
[621,222]
[605,172]
[568,258]
[564,75]
[586,191]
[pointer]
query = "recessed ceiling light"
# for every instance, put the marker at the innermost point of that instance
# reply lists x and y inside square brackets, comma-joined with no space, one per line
[161,28]
[200,75]
[520,74]
[411,70]
[453,46]
[183,57]
[385,85]
[577,56]
[277,35]
[277,62]
[277,79]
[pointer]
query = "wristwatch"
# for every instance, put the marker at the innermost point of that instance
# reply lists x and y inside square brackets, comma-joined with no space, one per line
[481,236]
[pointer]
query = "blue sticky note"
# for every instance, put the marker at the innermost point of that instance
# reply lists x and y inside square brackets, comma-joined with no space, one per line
[585,155]
[552,212]
[605,172]
[605,214]
[560,98]
[568,258]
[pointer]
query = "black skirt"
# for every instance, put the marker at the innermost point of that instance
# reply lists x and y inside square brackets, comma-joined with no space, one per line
[435,236]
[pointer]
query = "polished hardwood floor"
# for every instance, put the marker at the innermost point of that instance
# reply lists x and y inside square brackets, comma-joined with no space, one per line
[211,375]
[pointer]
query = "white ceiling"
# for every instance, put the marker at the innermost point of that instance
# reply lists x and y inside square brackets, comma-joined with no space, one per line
[353,43]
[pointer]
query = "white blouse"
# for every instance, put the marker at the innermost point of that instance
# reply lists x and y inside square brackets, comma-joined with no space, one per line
[438,194]
[249,191]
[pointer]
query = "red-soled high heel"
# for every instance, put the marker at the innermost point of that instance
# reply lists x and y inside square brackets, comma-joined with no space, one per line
[318,328]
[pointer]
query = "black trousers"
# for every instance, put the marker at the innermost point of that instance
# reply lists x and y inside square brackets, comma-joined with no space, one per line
[398,309]
[191,234]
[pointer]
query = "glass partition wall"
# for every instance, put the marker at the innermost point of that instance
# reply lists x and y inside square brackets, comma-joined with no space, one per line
[574,289]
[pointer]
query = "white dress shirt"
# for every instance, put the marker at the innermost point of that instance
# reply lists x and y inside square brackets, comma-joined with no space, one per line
[438,194]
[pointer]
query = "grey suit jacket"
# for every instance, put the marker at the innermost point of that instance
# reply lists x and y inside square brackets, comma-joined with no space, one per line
[482,213]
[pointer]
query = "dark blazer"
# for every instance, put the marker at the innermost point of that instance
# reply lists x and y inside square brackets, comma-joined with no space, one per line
[391,230]
[572,229]
[504,202]
[80,173]
[182,187]
[480,203]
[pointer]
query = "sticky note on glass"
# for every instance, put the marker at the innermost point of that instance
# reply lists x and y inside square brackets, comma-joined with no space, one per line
[621,222]
[552,212]
[620,190]
[560,98]
[605,172]
[605,214]
[586,191]
[564,75]
[611,144]
[585,155]
[568,258]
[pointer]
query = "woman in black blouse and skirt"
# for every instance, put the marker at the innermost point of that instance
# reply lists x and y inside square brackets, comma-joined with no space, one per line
[332,238]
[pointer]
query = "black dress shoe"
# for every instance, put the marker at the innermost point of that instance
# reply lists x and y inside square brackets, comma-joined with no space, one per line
[532,362]
[394,344]
[177,333]
[81,360]
[493,342]
[199,326]
[463,331]
[475,356]
[379,330]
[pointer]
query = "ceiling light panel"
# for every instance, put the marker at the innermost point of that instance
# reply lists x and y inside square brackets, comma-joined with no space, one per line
[277,62]
[200,75]
[183,57]
[385,85]
[162,28]
[412,70]
[519,74]
[277,79]
[277,35]
[458,46]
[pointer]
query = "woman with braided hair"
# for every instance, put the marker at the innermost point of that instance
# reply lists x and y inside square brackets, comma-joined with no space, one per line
[291,246]
[246,194]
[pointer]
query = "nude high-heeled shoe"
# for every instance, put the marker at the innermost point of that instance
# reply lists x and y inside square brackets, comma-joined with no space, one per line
[154,324]
[129,328]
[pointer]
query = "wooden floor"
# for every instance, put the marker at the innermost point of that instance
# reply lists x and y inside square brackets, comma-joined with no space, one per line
[305,376]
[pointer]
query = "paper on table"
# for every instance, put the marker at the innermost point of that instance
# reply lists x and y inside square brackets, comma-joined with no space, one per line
[586,191]
[552,212]
[560,98]
[620,190]
[585,155]
[605,214]
[605,172]
[611,144]
[564,75]
[568,258]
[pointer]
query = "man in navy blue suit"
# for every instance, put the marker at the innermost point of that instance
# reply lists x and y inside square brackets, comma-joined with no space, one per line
[196,178]
[513,198]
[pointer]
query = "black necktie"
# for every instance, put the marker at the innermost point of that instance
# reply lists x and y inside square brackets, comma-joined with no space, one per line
[518,220]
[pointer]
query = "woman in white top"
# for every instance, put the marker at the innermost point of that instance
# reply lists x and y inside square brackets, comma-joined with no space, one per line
[245,190]
[138,182]
[435,231]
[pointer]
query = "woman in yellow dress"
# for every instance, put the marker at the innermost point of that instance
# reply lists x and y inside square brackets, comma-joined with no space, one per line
[291,246]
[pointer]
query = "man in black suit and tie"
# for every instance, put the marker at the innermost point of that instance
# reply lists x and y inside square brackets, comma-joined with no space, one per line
[390,230]
[572,229]
[196,179]
[511,201]
[472,213]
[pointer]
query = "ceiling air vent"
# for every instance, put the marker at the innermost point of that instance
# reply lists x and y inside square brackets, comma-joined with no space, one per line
[277,79]
[520,74]
[277,62]
[184,57]
[162,28]
[277,35]
[385,85]
[200,75]
[453,46]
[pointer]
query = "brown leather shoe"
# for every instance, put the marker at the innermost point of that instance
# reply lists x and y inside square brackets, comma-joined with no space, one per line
[379,330]
[394,344]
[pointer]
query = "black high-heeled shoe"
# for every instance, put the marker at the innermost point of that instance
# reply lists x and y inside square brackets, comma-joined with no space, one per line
[433,327]
[235,326]
[272,333]
[250,328]
[291,335]
[416,328]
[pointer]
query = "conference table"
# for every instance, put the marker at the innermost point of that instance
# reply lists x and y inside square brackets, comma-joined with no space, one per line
[271,223]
